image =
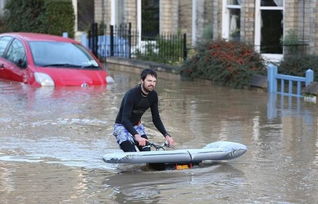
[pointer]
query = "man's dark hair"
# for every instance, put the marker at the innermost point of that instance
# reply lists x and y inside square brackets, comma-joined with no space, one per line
[146,72]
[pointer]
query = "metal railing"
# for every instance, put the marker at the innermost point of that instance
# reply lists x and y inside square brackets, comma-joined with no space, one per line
[289,85]
[122,41]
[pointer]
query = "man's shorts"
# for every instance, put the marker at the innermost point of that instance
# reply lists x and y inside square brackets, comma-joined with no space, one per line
[122,134]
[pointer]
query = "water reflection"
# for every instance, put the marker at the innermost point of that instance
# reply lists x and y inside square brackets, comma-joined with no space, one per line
[287,105]
[60,135]
[158,187]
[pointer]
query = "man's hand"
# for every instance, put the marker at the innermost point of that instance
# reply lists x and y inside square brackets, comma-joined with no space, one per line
[170,141]
[141,141]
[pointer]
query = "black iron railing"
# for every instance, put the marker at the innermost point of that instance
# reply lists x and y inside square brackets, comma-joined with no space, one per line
[122,41]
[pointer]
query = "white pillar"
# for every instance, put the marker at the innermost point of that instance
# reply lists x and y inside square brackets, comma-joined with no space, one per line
[113,12]
[74,2]
[194,23]
[139,19]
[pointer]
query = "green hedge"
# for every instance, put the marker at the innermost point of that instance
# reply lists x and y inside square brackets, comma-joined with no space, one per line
[40,16]
[60,16]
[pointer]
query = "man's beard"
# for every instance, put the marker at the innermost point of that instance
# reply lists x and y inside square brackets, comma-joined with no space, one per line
[146,89]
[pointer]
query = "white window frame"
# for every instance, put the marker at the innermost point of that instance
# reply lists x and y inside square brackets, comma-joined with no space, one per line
[226,18]
[257,37]
[140,43]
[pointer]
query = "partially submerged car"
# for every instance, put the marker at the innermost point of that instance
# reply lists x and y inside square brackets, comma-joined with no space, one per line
[48,60]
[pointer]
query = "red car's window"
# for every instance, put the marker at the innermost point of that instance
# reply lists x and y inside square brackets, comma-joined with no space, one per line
[16,53]
[4,43]
[61,54]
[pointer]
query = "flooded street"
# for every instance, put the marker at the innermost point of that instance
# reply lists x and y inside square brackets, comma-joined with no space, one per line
[52,142]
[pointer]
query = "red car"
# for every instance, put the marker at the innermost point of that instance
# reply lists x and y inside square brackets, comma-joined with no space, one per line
[47,60]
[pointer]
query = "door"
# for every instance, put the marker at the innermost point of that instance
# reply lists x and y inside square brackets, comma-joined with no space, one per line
[4,42]
[14,65]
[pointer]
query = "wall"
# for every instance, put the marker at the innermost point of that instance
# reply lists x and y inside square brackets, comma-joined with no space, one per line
[135,66]
[176,16]
[248,21]
[169,16]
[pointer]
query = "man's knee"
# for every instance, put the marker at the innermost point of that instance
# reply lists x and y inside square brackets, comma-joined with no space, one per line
[127,146]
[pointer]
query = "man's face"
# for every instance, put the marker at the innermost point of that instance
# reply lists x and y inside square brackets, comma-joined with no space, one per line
[149,83]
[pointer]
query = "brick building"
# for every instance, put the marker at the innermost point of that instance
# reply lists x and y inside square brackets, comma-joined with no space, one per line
[262,23]
[171,15]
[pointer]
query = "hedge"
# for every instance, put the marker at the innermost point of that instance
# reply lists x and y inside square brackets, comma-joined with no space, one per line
[40,16]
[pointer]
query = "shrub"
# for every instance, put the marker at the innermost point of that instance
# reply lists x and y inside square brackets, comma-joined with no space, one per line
[297,65]
[226,63]
[60,16]
[3,27]
[24,15]
[40,16]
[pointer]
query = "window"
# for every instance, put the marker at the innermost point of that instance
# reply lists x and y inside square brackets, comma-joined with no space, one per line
[150,18]
[231,20]
[16,53]
[4,41]
[269,26]
[52,54]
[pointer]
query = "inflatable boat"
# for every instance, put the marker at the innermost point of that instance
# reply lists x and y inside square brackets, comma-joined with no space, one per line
[221,150]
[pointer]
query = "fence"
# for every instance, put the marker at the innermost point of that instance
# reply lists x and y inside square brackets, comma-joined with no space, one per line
[295,83]
[122,41]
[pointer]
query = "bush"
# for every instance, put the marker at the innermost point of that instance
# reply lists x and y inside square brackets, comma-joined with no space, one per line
[60,16]
[40,16]
[297,65]
[24,15]
[225,63]
[3,26]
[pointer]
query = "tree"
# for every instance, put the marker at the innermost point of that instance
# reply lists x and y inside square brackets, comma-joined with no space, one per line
[40,16]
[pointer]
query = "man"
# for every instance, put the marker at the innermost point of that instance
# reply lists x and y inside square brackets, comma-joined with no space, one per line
[128,129]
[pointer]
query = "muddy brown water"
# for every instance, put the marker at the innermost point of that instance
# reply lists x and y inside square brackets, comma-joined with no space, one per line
[52,141]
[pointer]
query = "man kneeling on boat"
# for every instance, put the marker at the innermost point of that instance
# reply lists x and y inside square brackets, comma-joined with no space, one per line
[128,129]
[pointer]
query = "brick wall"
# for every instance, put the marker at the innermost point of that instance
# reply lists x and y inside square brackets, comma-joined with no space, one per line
[311,28]
[203,17]
[169,16]
[102,11]
[248,21]
[130,11]
[301,16]
[176,16]
[185,17]
[217,19]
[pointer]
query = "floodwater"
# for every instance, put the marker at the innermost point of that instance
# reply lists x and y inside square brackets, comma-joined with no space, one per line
[52,142]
